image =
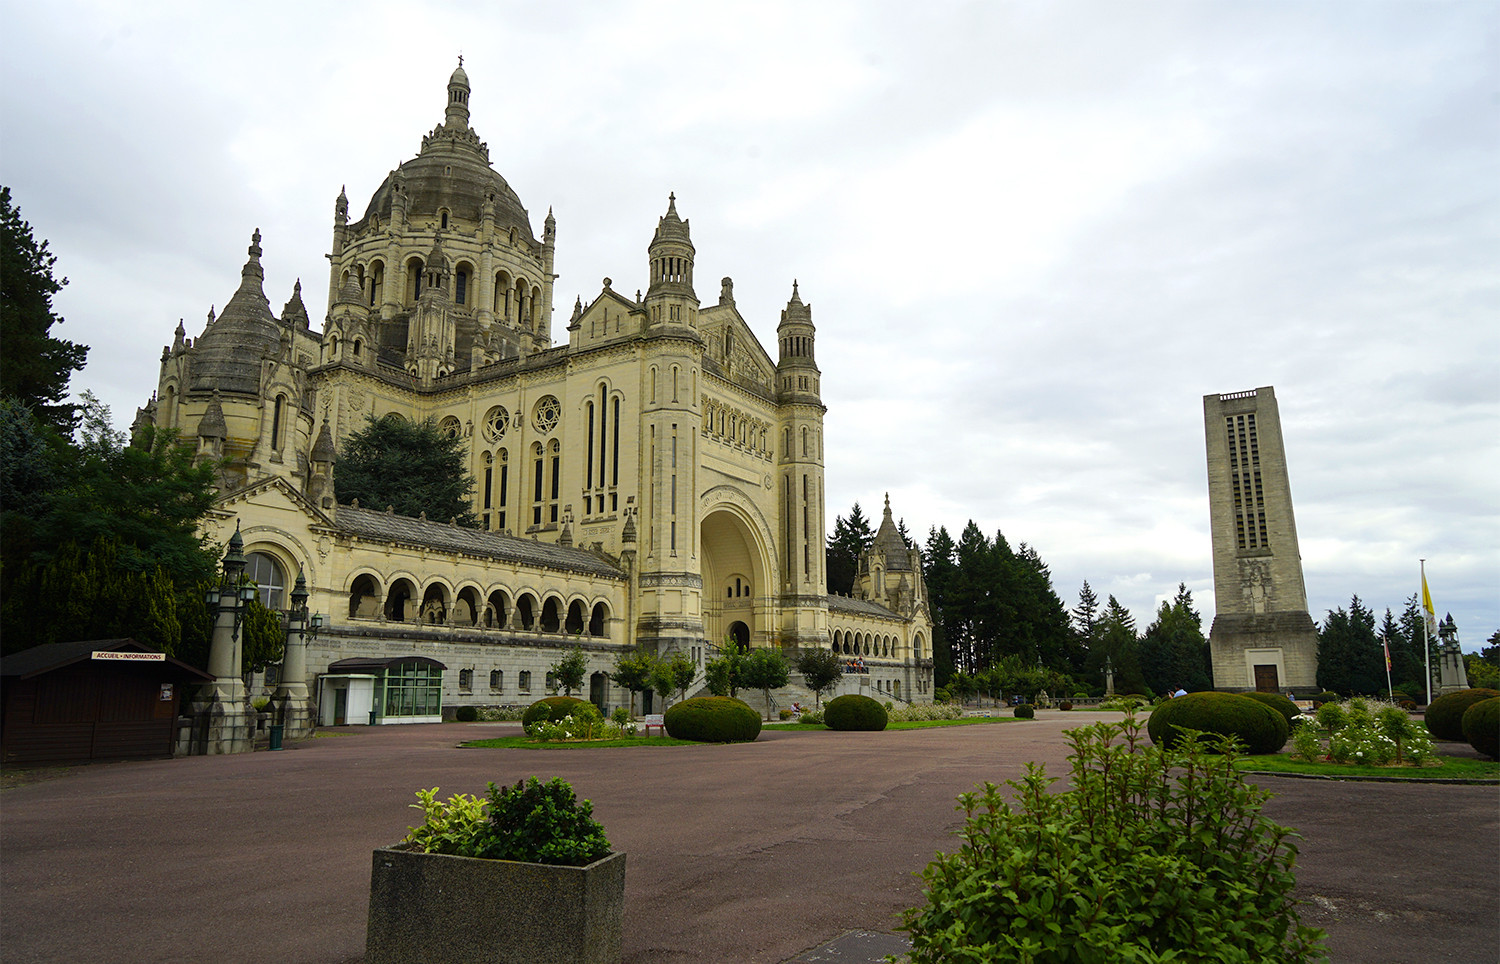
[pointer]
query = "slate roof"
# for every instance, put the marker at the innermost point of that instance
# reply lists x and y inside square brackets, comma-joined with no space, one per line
[387,527]
[861,607]
[42,659]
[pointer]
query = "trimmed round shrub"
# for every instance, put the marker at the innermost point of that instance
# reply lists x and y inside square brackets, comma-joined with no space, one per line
[1482,726]
[854,712]
[1025,712]
[1065,705]
[552,708]
[1445,715]
[1278,703]
[1327,696]
[1259,728]
[466,714]
[712,719]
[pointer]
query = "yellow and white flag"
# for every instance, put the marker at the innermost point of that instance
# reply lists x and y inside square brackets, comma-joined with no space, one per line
[1427,612]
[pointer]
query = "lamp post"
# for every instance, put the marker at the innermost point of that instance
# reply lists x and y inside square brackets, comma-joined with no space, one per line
[226,722]
[291,697]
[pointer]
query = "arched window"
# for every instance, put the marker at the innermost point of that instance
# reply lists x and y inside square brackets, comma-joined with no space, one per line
[265,572]
[377,283]
[276,416]
[497,680]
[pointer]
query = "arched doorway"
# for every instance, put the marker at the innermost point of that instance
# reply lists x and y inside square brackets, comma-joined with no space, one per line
[737,577]
[597,690]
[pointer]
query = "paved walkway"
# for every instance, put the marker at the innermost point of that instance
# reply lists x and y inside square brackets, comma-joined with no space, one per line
[759,853]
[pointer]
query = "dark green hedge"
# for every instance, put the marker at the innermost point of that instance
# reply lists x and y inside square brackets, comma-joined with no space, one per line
[1276,702]
[1482,726]
[1445,715]
[854,712]
[466,714]
[1025,712]
[712,719]
[1259,728]
[551,708]
[1327,696]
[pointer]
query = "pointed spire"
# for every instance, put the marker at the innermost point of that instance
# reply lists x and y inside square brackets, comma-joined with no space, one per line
[672,205]
[179,337]
[212,424]
[323,450]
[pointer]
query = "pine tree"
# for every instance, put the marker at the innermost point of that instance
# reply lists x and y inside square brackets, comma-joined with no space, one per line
[412,467]
[1173,652]
[34,367]
[850,538]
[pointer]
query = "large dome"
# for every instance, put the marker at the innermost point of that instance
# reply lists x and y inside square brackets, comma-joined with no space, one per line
[451,173]
[437,181]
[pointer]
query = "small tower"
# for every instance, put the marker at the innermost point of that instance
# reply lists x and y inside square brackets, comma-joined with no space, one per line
[456,116]
[800,464]
[670,300]
[430,341]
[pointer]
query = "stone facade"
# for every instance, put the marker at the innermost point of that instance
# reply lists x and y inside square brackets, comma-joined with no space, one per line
[654,479]
[1262,636]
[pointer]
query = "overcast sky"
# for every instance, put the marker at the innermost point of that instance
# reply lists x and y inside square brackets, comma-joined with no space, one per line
[1033,235]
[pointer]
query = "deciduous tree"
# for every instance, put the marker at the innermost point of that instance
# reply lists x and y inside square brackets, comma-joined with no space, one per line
[820,669]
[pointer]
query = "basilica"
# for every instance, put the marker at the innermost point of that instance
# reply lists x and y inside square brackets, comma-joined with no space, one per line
[647,476]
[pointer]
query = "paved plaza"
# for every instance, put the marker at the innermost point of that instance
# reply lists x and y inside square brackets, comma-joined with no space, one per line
[751,854]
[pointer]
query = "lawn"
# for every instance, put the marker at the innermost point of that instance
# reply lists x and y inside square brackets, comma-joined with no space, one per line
[526,742]
[1448,768]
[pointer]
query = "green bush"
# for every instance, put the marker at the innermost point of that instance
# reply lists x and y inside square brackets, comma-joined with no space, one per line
[1025,712]
[552,708]
[941,695]
[1065,705]
[854,712]
[1445,715]
[1153,854]
[536,822]
[1482,726]
[1327,696]
[1258,727]
[466,714]
[712,719]
[1278,703]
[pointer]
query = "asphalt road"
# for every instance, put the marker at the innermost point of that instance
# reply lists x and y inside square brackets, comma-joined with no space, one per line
[748,853]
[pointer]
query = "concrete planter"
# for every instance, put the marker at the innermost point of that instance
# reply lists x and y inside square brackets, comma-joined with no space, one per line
[435,909]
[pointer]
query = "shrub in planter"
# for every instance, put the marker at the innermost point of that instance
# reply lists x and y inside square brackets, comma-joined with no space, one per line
[553,708]
[1482,726]
[1152,853]
[1259,728]
[466,714]
[1445,715]
[525,876]
[854,712]
[1278,703]
[1025,712]
[712,719]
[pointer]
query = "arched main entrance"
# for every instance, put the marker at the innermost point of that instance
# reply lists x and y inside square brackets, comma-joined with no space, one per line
[736,579]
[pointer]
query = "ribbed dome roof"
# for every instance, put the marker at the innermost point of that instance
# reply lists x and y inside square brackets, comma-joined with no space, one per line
[452,171]
[227,355]
[460,184]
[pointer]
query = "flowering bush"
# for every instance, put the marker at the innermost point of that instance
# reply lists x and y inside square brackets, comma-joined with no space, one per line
[925,711]
[584,726]
[1365,732]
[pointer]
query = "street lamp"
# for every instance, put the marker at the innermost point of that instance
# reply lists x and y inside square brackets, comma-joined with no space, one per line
[231,591]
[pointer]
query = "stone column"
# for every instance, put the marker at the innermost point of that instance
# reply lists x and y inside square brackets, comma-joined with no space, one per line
[224,721]
[291,699]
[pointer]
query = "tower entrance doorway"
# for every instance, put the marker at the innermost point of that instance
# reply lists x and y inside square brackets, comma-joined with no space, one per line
[736,590]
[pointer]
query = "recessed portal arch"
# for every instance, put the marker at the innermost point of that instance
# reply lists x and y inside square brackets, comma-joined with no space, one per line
[737,574]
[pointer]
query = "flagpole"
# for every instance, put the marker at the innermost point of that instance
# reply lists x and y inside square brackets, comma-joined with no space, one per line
[1426,656]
